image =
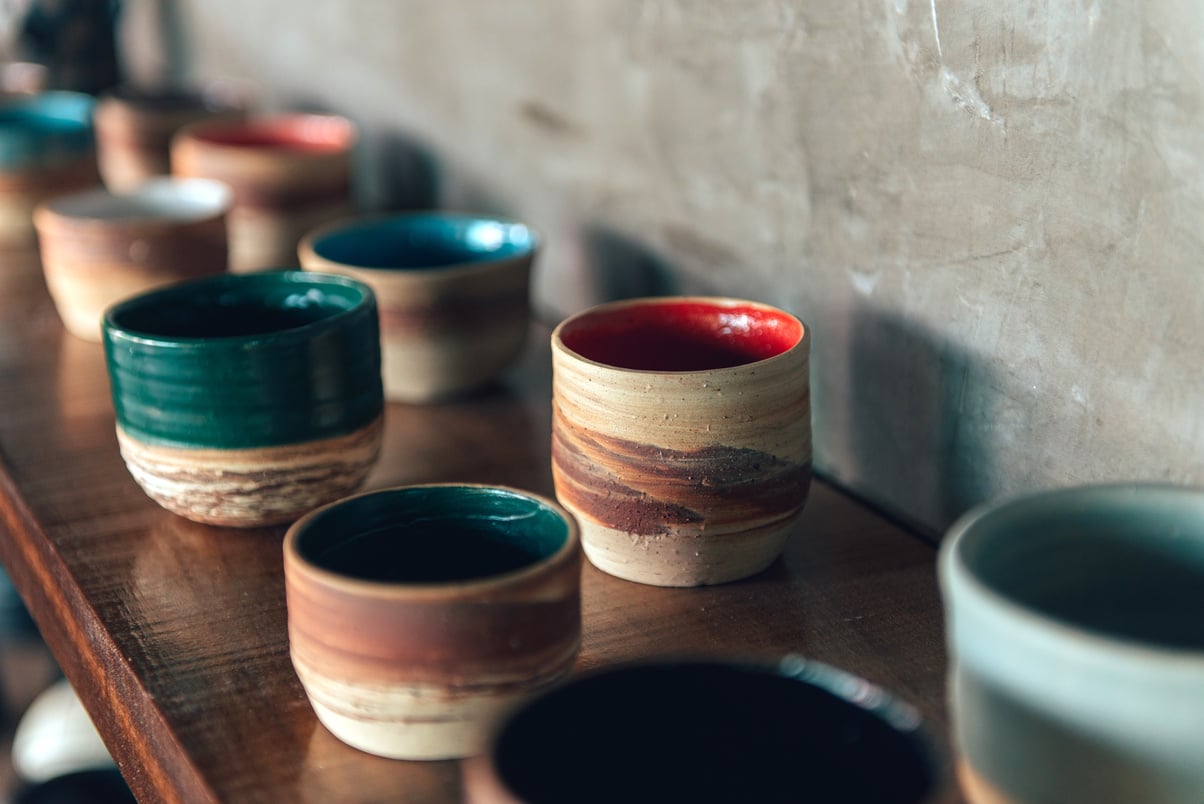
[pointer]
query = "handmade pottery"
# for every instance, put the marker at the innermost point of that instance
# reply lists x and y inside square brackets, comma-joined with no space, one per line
[1076,645]
[135,125]
[99,247]
[453,293]
[707,731]
[418,614]
[247,399]
[681,435]
[290,173]
[46,149]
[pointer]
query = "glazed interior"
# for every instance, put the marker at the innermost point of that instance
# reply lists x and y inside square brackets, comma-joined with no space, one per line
[233,306]
[423,241]
[302,133]
[432,535]
[160,199]
[703,732]
[1131,570]
[680,335]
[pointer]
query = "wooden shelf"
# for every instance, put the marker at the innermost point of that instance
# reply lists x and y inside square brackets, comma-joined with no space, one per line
[173,633]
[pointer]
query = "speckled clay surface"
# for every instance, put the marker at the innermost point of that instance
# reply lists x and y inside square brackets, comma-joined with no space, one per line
[685,466]
[414,648]
[453,292]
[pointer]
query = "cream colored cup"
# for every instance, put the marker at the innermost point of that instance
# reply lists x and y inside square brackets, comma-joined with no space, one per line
[1075,623]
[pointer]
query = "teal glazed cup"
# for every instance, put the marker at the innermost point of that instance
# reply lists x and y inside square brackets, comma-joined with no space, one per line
[47,148]
[1075,624]
[708,730]
[418,614]
[453,291]
[248,399]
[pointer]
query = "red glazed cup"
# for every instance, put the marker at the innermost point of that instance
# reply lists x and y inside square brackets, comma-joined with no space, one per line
[681,435]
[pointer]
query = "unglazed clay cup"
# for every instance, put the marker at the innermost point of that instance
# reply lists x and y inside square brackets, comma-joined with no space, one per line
[99,247]
[290,173]
[47,148]
[135,125]
[1075,625]
[708,730]
[416,615]
[247,399]
[453,291]
[681,435]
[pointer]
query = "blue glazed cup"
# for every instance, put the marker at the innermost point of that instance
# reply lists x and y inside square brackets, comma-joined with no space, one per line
[247,399]
[1075,624]
[47,148]
[453,291]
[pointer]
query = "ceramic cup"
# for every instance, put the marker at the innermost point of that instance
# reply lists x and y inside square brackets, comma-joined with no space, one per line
[290,173]
[134,127]
[417,614]
[99,247]
[453,293]
[46,148]
[708,731]
[1075,622]
[247,399]
[681,435]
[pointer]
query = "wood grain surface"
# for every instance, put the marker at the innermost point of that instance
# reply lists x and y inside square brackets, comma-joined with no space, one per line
[174,633]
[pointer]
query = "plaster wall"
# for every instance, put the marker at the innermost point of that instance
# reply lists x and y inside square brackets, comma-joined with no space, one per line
[990,214]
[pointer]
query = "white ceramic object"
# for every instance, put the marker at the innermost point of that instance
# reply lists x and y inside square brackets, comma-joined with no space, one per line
[55,737]
[1075,623]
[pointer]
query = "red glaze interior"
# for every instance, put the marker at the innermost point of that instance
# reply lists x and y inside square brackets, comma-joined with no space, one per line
[315,133]
[681,335]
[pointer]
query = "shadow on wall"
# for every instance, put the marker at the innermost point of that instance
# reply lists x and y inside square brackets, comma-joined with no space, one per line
[921,439]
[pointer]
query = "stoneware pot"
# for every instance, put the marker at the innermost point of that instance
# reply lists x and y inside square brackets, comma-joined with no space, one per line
[247,399]
[99,247]
[1075,623]
[417,614]
[290,173]
[453,291]
[681,435]
[47,148]
[135,125]
[708,731]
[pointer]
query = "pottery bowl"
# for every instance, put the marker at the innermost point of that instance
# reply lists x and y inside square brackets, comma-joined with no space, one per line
[99,247]
[290,173]
[1076,645]
[247,399]
[47,148]
[135,125]
[418,614]
[681,435]
[453,293]
[707,731]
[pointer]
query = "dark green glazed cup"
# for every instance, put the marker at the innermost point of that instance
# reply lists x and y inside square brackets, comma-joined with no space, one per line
[247,399]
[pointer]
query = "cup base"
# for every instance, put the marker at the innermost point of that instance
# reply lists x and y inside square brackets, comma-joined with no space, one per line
[252,487]
[683,560]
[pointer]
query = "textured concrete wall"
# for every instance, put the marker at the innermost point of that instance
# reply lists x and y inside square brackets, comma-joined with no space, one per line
[991,214]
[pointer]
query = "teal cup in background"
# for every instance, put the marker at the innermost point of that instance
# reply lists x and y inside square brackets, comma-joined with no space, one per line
[247,399]
[1075,624]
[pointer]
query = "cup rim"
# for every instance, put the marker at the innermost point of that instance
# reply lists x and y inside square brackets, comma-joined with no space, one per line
[309,243]
[960,585]
[114,331]
[438,591]
[285,133]
[559,346]
[58,209]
